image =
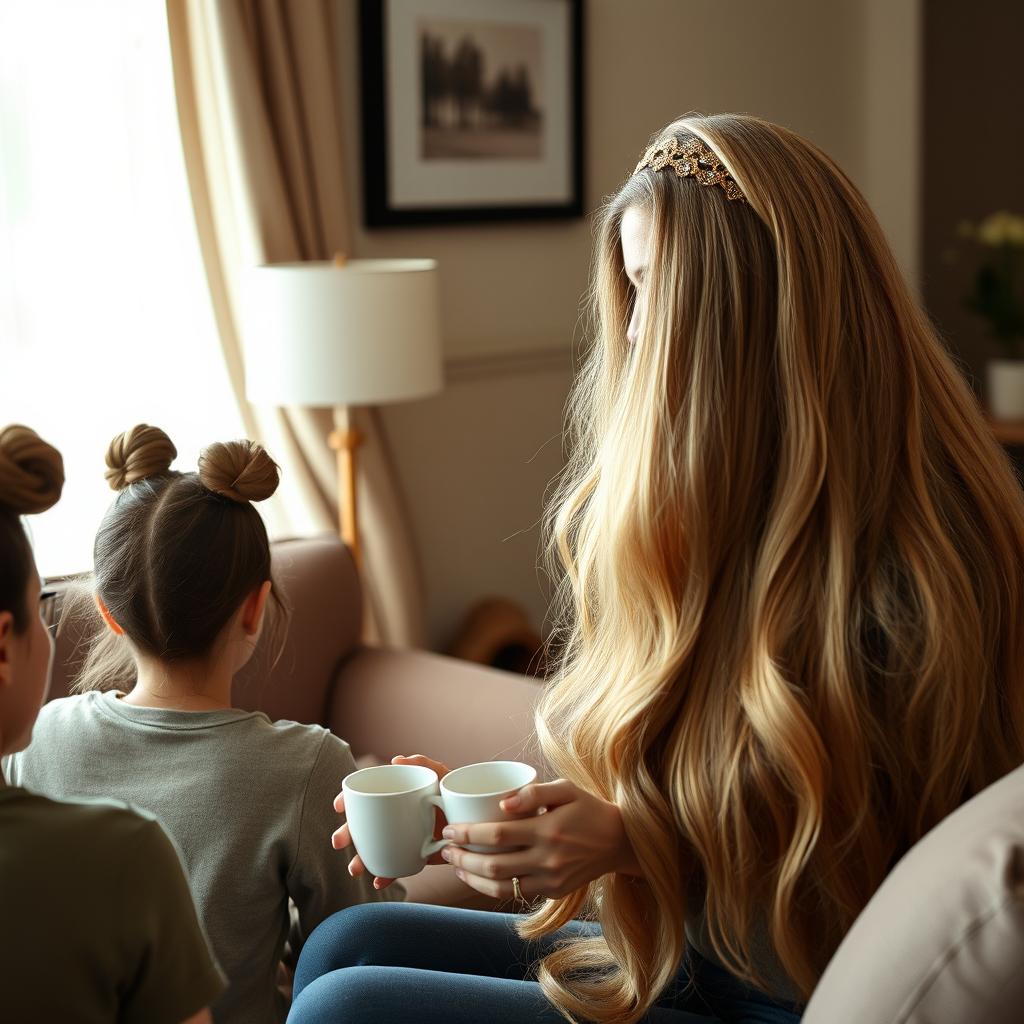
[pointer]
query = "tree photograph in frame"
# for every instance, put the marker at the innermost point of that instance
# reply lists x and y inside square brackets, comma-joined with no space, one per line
[471,110]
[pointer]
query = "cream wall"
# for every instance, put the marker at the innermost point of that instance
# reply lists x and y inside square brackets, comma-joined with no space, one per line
[475,461]
[892,63]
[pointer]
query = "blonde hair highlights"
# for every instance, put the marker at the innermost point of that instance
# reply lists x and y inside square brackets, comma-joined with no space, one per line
[790,558]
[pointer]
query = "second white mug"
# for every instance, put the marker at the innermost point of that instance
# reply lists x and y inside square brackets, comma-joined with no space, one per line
[473,794]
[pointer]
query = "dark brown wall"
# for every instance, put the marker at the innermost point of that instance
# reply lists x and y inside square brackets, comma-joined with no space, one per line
[973,159]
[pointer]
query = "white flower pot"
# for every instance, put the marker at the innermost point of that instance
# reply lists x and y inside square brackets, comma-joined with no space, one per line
[1006,389]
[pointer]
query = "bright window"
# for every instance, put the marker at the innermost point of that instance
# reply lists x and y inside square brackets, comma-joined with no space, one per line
[105,317]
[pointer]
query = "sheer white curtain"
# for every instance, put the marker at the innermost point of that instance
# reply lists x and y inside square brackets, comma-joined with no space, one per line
[105,316]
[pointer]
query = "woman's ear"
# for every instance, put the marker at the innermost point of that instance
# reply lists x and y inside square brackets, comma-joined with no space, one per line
[6,636]
[109,619]
[254,607]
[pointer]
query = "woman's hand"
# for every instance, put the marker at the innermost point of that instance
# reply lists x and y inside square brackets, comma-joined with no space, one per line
[342,837]
[576,838]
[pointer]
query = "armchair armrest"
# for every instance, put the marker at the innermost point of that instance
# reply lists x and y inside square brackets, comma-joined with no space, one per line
[387,702]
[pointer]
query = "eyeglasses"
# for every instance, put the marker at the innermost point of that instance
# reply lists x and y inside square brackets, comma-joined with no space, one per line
[48,608]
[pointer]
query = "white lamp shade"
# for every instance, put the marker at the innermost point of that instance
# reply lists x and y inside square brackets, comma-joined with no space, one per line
[363,333]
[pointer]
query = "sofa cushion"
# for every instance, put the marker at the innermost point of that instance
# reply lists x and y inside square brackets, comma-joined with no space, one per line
[942,941]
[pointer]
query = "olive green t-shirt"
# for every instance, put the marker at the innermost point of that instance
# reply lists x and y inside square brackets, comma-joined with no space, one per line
[96,918]
[248,803]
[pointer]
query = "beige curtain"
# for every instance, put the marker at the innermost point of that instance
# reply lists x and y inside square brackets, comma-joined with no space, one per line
[256,93]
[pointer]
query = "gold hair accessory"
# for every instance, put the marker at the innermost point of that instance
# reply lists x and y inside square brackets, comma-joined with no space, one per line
[691,159]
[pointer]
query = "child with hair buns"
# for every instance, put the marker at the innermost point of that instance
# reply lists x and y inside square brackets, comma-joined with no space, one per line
[182,580]
[98,924]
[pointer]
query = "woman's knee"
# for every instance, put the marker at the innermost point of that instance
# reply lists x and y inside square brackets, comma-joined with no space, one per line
[347,995]
[345,939]
[370,934]
[372,995]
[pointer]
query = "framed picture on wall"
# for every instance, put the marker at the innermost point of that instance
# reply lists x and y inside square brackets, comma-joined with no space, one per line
[472,110]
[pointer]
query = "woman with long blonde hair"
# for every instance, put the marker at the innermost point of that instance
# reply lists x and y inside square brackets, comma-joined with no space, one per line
[791,559]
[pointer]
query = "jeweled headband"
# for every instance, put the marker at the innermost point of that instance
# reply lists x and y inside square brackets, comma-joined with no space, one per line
[690,159]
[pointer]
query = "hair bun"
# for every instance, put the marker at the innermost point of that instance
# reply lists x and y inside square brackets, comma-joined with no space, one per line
[137,453]
[240,470]
[31,471]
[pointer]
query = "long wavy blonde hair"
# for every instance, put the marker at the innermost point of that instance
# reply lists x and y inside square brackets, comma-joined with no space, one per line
[791,559]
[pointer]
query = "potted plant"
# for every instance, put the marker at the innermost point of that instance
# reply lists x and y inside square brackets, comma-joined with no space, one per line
[998,297]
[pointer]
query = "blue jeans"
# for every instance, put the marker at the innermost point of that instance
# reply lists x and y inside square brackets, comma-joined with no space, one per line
[395,962]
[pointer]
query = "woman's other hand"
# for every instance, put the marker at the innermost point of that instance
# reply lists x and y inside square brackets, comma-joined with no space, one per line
[342,837]
[572,839]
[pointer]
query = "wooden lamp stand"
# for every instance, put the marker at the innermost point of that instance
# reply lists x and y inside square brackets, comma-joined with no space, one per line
[344,440]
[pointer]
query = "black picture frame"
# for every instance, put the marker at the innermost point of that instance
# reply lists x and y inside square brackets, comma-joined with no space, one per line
[379,210]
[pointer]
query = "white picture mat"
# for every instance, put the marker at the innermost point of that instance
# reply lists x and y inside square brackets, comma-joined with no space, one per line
[415,182]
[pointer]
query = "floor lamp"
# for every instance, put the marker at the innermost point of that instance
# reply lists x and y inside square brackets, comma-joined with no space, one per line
[343,334]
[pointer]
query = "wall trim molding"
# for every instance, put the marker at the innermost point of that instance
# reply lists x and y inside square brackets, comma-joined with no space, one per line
[458,369]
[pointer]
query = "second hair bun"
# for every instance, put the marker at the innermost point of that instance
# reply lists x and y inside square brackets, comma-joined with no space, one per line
[240,470]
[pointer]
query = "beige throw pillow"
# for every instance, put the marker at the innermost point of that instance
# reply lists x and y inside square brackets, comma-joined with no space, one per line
[942,941]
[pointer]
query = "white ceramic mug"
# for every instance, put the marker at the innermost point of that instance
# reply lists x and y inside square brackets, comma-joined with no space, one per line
[390,814]
[473,794]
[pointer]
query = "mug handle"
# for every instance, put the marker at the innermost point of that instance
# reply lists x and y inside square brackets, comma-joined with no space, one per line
[430,845]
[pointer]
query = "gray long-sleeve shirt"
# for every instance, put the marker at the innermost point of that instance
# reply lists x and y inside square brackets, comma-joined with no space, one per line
[248,802]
